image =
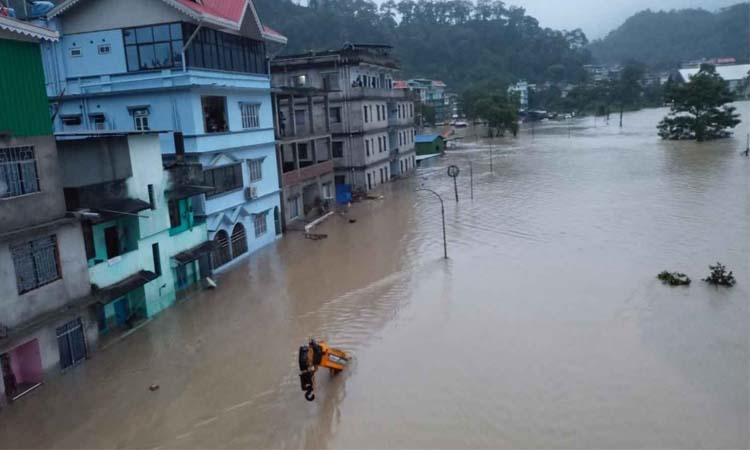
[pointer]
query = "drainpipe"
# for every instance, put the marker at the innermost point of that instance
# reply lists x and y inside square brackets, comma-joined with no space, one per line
[187,44]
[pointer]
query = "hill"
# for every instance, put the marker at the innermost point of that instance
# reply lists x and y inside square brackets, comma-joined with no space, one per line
[667,38]
[454,40]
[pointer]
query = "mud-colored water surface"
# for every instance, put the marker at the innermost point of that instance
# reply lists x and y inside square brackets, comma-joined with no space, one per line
[546,328]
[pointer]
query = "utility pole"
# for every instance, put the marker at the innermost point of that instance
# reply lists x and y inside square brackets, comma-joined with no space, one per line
[491,167]
[442,213]
[471,178]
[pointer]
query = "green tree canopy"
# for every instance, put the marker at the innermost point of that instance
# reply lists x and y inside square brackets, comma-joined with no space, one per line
[458,41]
[699,108]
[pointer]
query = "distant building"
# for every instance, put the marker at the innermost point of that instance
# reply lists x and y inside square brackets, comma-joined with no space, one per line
[736,75]
[196,67]
[598,73]
[430,144]
[522,90]
[372,123]
[434,94]
[45,323]
[303,141]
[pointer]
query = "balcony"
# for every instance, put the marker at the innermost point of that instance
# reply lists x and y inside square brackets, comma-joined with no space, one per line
[293,177]
[116,269]
[378,93]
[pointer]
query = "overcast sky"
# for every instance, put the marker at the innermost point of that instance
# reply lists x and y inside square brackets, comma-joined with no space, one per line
[598,17]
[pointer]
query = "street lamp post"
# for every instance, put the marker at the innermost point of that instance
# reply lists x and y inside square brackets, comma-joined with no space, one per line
[442,213]
[471,178]
[453,172]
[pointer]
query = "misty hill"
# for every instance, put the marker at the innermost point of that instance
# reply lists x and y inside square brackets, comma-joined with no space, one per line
[453,40]
[668,38]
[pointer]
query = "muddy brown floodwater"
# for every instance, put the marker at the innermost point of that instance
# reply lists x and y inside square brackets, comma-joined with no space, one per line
[545,328]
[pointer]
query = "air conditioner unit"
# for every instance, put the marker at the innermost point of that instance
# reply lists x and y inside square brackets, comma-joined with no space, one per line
[251,193]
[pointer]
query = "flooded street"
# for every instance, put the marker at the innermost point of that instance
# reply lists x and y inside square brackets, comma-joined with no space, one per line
[546,328]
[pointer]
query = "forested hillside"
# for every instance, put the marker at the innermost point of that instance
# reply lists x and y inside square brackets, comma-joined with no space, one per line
[455,40]
[665,39]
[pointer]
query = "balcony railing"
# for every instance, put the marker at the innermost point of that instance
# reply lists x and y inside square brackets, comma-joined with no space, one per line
[357,92]
[116,269]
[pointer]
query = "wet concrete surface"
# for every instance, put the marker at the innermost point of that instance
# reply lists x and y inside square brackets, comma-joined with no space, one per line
[546,328]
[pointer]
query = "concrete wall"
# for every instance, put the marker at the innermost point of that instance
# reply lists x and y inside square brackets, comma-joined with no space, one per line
[104,160]
[18,309]
[39,207]
[91,62]
[48,347]
[108,14]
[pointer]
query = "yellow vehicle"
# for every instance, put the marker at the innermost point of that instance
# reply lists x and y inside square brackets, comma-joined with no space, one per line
[315,355]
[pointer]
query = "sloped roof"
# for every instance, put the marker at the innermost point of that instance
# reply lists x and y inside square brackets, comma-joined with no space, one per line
[399,84]
[426,138]
[28,30]
[223,13]
[438,83]
[728,73]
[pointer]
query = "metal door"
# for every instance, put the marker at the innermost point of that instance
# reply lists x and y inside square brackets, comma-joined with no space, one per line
[72,344]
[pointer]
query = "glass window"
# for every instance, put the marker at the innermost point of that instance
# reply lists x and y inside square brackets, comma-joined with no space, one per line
[129,36]
[214,114]
[293,207]
[250,115]
[161,33]
[335,114]
[223,179]
[163,55]
[140,119]
[146,56]
[176,31]
[36,263]
[18,172]
[337,149]
[175,218]
[259,221]
[256,169]
[144,35]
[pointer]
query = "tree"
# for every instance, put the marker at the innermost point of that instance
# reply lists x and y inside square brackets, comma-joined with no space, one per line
[627,90]
[699,108]
[491,103]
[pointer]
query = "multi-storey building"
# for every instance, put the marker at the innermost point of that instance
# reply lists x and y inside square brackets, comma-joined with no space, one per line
[433,94]
[371,122]
[197,67]
[303,133]
[144,245]
[44,284]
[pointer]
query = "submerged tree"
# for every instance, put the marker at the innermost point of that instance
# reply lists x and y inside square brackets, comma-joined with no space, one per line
[699,108]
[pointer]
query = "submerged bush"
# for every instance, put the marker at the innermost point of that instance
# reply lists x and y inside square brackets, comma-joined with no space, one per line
[674,278]
[719,276]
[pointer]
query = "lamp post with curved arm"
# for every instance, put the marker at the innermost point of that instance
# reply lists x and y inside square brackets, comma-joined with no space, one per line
[442,212]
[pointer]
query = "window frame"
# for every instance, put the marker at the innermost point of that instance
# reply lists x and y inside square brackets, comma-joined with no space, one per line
[250,114]
[33,256]
[255,169]
[260,224]
[141,119]
[236,174]
[174,42]
[24,168]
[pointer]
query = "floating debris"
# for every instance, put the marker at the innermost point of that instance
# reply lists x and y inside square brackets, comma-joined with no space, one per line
[674,278]
[153,387]
[720,277]
[315,237]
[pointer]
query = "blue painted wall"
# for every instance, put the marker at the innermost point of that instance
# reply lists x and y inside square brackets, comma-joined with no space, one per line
[97,83]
